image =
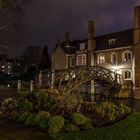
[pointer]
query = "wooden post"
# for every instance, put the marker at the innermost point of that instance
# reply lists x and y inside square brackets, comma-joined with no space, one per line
[40,79]
[53,80]
[19,85]
[31,85]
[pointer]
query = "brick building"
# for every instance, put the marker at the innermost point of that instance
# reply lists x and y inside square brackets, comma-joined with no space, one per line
[118,51]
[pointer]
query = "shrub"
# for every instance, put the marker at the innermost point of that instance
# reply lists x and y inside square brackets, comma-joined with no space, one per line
[23,117]
[1,114]
[26,106]
[79,119]
[14,115]
[56,123]
[25,94]
[30,120]
[71,128]
[112,111]
[9,104]
[42,118]
[123,109]
[88,106]
[87,124]
[64,103]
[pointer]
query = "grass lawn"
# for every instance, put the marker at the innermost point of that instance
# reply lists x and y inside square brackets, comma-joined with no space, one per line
[128,129]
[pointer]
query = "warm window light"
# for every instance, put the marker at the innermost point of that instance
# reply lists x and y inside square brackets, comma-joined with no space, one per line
[3,67]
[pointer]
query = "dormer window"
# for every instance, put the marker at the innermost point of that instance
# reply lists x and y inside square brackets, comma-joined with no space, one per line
[82,46]
[112,41]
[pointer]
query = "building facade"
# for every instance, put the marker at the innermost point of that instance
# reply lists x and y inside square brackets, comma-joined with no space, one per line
[118,51]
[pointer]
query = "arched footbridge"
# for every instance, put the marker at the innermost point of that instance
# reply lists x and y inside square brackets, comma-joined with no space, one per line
[69,80]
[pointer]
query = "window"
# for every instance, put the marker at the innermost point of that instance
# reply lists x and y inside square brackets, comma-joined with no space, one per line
[72,62]
[81,60]
[111,41]
[101,58]
[82,46]
[127,56]
[127,74]
[114,58]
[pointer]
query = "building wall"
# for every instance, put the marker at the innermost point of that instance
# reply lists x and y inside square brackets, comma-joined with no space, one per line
[121,66]
[59,59]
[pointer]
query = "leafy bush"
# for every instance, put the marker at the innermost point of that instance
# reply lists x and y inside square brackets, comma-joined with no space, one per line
[14,115]
[123,109]
[79,119]
[26,106]
[112,111]
[23,117]
[64,104]
[87,124]
[30,120]
[8,107]
[71,128]
[42,118]
[1,114]
[88,106]
[25,94]
[56,123]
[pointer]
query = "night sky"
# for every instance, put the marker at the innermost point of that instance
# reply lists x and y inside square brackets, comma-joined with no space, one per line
[47,20]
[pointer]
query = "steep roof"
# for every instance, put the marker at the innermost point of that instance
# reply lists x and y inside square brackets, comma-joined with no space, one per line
[72,46]
[123,39]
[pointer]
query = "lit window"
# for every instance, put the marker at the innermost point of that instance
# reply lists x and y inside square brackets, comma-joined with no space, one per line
[112,41]
[81,60]
[101,59]
[127,56]
[72,62]
[127,74]
[3,67]
[82,46]
[114,59]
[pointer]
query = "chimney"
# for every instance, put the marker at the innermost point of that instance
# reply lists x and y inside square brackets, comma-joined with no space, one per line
[91,43]
[90,29]
[137,25]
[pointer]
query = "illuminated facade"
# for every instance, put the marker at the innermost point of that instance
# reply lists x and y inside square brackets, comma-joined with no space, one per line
[117,51]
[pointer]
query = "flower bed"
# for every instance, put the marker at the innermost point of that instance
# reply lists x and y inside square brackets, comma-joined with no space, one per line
[59,112]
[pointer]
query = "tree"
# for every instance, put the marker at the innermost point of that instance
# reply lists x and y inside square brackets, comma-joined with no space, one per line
[10,11]
[45,62]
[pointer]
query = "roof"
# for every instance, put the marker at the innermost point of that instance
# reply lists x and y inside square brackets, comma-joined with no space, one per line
[123,39]
[72,46]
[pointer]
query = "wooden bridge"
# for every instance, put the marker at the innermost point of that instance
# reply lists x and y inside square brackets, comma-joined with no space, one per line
[70,80]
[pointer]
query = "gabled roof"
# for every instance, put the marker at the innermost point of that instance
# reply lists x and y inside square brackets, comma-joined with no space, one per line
[72,46]
[123,39]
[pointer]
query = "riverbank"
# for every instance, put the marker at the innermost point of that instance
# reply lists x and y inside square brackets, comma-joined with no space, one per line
[128,129]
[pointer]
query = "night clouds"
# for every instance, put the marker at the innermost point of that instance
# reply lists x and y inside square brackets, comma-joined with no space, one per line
[47,20]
